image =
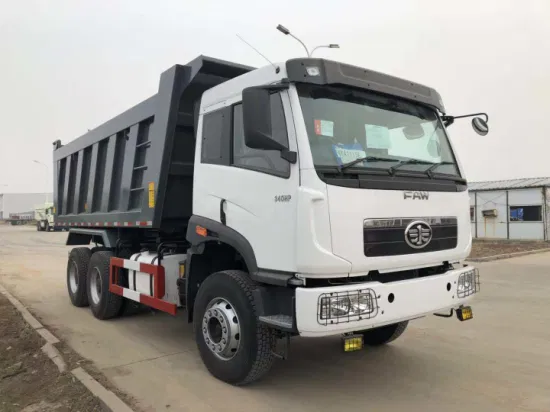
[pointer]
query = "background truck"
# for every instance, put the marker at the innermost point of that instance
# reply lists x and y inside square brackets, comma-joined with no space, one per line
[21,218]
[308,198]
[44,216]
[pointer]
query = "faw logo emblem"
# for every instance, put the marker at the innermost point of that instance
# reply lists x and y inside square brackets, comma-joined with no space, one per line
[416,195]
[418,234]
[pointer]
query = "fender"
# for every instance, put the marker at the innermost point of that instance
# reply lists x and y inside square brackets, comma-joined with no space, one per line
[84,236]
[219,232]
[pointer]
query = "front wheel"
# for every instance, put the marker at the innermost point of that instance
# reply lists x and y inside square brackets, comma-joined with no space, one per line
[384,334]
[233,345]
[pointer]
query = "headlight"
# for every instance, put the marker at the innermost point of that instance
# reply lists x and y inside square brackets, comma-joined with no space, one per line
[346,306]
[468,283]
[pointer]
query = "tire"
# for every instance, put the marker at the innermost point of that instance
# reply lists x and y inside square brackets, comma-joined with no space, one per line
[38,228]
[254,356]
[383,335]
[104,304]
[77,274]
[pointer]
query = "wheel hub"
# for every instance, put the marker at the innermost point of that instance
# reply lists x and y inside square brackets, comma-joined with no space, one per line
[95,286]
[73,277]
[221,328]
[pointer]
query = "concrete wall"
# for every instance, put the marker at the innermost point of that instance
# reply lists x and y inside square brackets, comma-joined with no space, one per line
[500,227]
[20,202]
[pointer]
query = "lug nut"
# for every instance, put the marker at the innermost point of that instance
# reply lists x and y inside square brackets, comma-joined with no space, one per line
[224,330]
[215,313]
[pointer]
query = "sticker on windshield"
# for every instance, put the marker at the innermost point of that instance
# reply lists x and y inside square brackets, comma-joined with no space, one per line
[346,153]
[378,137]
[324,128]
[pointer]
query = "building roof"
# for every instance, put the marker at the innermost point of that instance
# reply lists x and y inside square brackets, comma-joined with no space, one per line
[509,184]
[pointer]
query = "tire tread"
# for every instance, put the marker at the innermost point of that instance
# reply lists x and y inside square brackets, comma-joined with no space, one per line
[110,308]
[81,256]
[265,337]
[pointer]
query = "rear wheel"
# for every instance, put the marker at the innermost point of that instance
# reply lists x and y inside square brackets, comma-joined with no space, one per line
[233,345]
[104,304]
[38,228]
[77,272]
[384,334]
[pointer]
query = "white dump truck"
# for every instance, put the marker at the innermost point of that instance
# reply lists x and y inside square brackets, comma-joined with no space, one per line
[307,198]
[44,216]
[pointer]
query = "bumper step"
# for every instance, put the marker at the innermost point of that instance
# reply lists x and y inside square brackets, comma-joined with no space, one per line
[283,322]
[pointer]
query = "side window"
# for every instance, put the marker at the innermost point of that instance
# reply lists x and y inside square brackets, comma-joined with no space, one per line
[215,137]
[526,213]
[267,161]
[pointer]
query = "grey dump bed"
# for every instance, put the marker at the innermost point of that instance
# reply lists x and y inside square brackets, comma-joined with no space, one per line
[137,168]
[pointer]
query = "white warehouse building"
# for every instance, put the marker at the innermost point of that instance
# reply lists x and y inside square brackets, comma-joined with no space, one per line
[511,209]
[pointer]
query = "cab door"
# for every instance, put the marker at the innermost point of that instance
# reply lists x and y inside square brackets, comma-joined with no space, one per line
[254,191]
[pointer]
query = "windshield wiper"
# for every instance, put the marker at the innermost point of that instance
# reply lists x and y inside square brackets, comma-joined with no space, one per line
[366,158]
[410,162]
[429,170]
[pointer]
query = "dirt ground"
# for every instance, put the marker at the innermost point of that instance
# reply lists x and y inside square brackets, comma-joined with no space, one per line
[29,380]
[498,361]
[485,248]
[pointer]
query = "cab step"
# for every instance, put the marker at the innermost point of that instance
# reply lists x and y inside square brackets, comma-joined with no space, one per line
[280,321]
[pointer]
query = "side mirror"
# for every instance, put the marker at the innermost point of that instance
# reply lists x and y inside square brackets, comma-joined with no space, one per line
[413,131]
[480,126]
[257,119]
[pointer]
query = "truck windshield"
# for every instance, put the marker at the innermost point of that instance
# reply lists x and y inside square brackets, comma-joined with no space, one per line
[344,125]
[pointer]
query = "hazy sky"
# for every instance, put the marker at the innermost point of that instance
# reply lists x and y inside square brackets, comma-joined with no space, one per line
[67,66]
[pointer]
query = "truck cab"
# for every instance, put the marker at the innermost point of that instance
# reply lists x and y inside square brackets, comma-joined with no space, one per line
[336,175]
[44,216]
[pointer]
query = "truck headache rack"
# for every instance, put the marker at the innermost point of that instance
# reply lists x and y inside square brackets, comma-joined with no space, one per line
[157,274]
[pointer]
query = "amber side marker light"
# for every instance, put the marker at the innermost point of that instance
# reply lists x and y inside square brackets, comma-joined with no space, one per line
[201,231]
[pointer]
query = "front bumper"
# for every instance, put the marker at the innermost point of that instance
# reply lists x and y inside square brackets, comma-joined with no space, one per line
[393,302]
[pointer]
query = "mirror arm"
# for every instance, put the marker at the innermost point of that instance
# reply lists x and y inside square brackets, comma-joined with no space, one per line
[289,155]
[449,120]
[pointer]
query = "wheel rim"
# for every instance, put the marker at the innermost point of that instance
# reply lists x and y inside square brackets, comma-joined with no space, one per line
[73,277]
[95,286]
[221,329]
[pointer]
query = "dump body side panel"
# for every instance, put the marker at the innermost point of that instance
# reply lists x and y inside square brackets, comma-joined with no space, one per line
[137,168]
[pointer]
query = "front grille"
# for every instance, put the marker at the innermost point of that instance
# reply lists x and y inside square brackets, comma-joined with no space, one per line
[386,237]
